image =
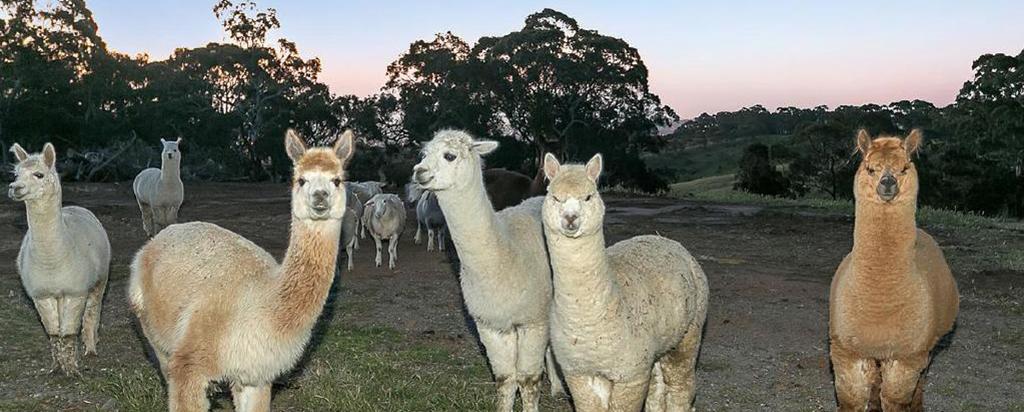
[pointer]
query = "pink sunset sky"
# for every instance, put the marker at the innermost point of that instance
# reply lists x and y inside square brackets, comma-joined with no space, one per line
[702,56]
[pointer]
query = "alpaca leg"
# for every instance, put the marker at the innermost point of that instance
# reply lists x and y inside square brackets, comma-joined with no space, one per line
[854,377]
[656,391]
[678,368]
[49,314]
[72,310]
[554,378]
[531,346]
[186,390]
[393,252]
[251,398]
[147,219]
[172,216]
[628,396]
[501,353]
[91,320]
[589,393]
[377,240]
[440,239]
[430,239]
[348,251]
[419,233]
[899,381]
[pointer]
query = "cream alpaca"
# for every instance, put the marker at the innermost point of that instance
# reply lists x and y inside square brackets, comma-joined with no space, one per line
[626,322]
[160,191]
[893,297]
[64,259]
[215,306]
[506,278]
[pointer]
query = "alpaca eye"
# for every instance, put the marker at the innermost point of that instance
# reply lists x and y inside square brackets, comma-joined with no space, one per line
[905,168]
[588,198]
[449,157]
[870,171]
[556,199]
[301,181]
[37,175]
[337,182]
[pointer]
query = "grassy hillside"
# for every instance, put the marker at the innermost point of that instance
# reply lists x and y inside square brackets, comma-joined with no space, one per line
[699,162]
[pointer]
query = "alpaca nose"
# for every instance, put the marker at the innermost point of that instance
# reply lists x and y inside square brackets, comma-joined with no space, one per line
[570,221]
[888,181]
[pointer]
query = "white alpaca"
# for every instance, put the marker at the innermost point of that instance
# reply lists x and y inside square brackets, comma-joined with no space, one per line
[428,216]
[626,322]
[506,279]
[216,307]
[384,218]
[160,191]
[64,259]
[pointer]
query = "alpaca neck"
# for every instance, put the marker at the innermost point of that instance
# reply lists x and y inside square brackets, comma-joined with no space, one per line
[170,170]
[305,275]
[583,281]
[472,224]
[46,225]
[883,243]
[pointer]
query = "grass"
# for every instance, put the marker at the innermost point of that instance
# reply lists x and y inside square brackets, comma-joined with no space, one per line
[715,160]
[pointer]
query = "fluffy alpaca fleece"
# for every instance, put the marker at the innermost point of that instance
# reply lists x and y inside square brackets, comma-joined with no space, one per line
[626,322]
[64,259]
[428,216]
[505,275]
[893,297]
[384,218]
[214,306]
[160,191]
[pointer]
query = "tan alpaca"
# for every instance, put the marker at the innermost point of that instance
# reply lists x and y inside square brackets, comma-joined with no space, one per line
[64,259]
[893,296]
[627,320]
[215,306]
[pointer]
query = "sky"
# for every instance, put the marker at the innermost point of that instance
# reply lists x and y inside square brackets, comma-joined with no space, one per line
[702,56]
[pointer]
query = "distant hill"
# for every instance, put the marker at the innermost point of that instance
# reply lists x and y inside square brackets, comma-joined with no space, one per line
[680,162]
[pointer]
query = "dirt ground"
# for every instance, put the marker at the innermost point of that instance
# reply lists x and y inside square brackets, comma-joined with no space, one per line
[769,270]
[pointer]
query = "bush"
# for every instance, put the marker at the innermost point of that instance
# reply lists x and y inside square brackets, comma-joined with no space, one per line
[758,175]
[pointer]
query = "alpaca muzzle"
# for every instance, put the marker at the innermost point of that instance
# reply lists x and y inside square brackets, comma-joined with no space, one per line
[888,187]
[16,191]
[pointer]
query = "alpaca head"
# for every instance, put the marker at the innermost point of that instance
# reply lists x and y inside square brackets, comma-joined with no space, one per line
[35,175]
[451,160]
[317,189]
[573,206]
[170,151]
[886,174]
[378,205]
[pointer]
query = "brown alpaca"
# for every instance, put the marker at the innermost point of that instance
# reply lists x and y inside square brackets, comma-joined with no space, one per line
[216,307]
[893,297]
[506,188]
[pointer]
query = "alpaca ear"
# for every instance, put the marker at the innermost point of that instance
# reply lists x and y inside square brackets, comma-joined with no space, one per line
[551,166]
[19,153]
[863,141]
[913,141]
[162,141]
[594,167]
[294,146]
[482,147]
[178,141]
[345,145]
[49,155]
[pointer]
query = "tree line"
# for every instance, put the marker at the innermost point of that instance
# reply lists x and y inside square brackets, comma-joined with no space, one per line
[972,158]
[551,86]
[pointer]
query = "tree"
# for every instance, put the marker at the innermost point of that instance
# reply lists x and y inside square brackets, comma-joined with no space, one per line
[758,173]
[825,161]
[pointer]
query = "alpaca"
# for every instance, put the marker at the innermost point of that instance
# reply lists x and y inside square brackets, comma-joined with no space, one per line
[506,188]
[214,306]
[428,215]
[64,259]
[160,191]
[626,321]
[384,218]
[893,297]
[349,238]
[356,206]
[505,275]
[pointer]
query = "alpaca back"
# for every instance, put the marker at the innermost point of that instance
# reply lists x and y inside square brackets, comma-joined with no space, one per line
[146,185]
[87,258]
[663,288]
[172,276]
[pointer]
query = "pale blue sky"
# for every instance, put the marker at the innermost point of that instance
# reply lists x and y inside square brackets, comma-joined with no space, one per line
[702,56]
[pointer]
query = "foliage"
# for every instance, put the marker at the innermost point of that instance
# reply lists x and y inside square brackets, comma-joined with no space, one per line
[758,173]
